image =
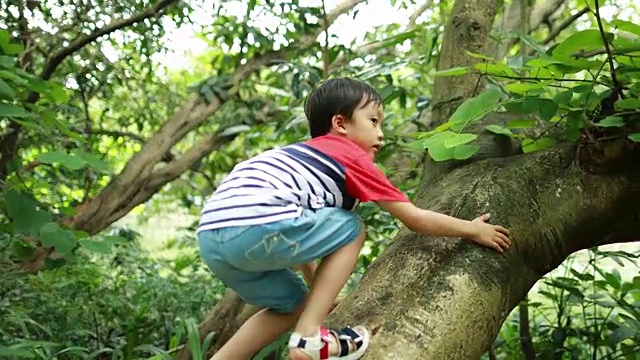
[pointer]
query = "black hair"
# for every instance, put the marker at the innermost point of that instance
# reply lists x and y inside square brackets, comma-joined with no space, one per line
[336,96]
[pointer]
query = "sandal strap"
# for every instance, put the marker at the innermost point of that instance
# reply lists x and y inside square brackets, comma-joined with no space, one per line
[346,335]
[317,347]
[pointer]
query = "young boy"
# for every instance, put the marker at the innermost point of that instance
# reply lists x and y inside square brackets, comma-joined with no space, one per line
[291,206]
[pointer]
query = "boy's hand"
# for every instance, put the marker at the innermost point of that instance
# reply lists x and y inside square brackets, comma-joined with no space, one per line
[493,236]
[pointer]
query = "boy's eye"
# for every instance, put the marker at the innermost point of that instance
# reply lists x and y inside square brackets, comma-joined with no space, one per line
[374,120]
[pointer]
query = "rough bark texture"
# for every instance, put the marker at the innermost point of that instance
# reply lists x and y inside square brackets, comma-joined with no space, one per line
[440,298]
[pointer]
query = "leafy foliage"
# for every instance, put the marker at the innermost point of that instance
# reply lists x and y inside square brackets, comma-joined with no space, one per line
[569,85]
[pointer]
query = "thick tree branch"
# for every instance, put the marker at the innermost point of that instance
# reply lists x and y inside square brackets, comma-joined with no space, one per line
[422,292]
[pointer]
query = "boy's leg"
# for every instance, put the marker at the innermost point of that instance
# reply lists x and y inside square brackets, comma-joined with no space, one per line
[281,291]
[332,274]
[256,263]
[260,330]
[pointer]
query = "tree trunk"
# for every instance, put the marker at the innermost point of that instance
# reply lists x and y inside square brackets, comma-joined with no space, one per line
[441,298]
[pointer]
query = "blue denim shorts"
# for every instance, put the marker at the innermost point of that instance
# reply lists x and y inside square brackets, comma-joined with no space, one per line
[255,261]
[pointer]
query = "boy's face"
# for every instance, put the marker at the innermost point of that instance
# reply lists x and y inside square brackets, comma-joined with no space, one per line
[364,128]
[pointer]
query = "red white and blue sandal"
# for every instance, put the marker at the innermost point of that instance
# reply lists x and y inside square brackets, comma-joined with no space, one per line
[317,347]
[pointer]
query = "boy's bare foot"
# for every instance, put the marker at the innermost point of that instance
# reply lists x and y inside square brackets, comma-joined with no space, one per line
[355,339]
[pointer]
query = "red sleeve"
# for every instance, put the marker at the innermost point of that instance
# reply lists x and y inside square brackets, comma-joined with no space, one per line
[366,182]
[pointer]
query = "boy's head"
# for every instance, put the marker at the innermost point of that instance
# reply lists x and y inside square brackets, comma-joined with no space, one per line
[346,107]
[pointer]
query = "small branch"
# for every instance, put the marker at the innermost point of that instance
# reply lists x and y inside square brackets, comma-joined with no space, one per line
[492,353]
[81,42]
[618,51]
[526,344]
[565,24]
[416,14]
[606,46]
[325,48]
[116,134]
[372,47]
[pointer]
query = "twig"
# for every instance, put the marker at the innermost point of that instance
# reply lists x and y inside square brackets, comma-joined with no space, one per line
[606,46]
[618,51]
[565,24]
[325,48]
[81,42]
[526,344]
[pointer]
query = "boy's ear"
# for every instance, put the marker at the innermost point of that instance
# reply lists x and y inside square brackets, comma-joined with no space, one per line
[338,124]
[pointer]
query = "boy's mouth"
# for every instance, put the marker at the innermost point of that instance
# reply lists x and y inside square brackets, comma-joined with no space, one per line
[376,147]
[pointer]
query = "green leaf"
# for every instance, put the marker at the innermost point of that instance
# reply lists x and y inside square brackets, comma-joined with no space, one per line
[635,137]
[533,44]
[439,152]
[92,160]
[499,130]
[6,90]
[58,93]
[97,246]
[575,122]
[52,235]
[496,69]
[523,88]
[479,56]
[531,105]
[611,121]
[12,111]
[622,333]
[529,145]
[548,109]
[563,97]
[23,209]
[452,71]
[459,139]
[521,123]
[626,26]
[583,88]
[463,152]
[12,49]
[629,104]
[581,41]
[475,108]
[7,62]
[70,161]
[437,138]
[22,249]
[6,352]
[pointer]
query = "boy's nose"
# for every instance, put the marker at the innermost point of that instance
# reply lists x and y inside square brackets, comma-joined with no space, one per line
[380,134]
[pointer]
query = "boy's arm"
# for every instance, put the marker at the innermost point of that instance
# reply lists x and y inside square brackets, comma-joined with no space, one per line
[428,222]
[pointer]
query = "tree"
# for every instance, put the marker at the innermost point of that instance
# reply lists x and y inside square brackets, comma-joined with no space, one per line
[520,177]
